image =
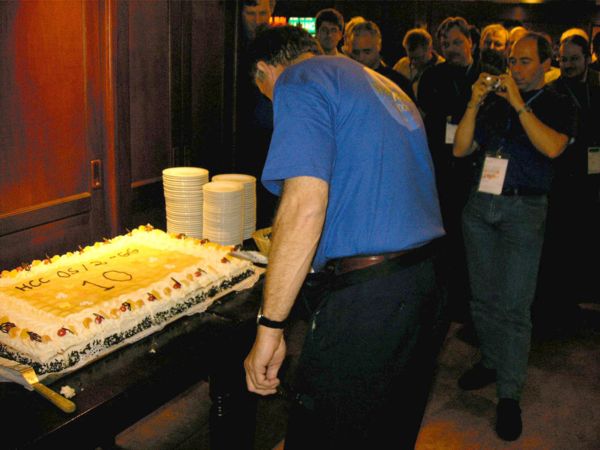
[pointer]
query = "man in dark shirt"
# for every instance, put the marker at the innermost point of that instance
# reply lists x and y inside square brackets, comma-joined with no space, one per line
[363,44]
[443,93]
[516,133]
[420,55]
[253,111]
[574,208]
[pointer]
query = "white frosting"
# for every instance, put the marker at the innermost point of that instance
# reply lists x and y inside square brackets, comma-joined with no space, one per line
[105,292]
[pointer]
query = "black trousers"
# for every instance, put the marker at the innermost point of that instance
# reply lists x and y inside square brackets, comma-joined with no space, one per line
[366,366]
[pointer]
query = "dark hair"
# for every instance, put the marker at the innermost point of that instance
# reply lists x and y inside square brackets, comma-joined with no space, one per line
[544,46]
[330,15]
[417,37]
[596,43]
[475,36]
[255,3]
[280,45]
[580,42]
[451,22]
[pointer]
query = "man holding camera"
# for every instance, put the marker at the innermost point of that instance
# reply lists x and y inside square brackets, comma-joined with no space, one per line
[517,126]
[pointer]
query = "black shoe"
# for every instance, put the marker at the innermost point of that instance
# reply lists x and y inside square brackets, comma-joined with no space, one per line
[477,377]
[508,419]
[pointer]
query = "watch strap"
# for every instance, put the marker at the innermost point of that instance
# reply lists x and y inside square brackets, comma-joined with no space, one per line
[265,321]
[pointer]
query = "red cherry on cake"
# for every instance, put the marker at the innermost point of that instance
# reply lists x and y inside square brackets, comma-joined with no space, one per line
[125,307]
[197,273]
[225,260]
[151,297]
[62,332]
[98,319]
[177,284]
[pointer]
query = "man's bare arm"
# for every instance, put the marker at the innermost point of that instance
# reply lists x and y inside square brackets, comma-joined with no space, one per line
[464,143]
[545,139]
[296,233]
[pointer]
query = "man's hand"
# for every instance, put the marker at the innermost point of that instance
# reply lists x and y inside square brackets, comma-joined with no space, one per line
[481,88]
[264,361]
[510,91]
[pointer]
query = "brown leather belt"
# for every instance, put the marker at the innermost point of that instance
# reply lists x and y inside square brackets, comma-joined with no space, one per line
[351,263]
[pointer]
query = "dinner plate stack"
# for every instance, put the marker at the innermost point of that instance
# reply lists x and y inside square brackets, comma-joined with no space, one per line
[223,220]
[249,203]
[184,199]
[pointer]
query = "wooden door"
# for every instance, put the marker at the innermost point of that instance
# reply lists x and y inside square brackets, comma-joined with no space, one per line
[55,131]
[171,98]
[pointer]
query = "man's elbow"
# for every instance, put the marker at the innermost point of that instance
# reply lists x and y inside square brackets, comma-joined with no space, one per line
[461,150]
[558,146]
[305,197]
[457,151]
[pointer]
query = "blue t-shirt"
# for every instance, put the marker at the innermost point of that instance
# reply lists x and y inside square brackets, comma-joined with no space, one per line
[336,120]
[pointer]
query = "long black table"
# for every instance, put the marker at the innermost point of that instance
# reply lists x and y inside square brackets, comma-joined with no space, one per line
[126,385]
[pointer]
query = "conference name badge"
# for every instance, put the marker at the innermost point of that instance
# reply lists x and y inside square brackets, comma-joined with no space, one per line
[493,175]
[593,160]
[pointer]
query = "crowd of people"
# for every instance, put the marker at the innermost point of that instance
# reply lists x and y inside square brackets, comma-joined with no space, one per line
[463,183]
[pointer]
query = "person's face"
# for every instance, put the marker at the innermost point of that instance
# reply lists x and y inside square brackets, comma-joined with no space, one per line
[419,57]
[329,36]
[494,40]
[253,16]
[456,47]
[573,62]
[365,50]
[525,65]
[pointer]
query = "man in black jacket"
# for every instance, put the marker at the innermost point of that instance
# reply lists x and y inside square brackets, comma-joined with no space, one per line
[444,91]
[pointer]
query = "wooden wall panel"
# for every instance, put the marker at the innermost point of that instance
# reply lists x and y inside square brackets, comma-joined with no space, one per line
[208,107]
[53,85]
[42,103]
[53,238]
[149,89]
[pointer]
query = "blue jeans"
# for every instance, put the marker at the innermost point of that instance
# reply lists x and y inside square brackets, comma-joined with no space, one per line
[503,239]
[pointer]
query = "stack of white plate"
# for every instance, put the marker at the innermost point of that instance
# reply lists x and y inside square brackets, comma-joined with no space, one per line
[249,183]
[184,199]
[223,220]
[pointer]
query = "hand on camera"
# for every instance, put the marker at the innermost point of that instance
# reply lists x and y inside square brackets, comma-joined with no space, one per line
[485,84]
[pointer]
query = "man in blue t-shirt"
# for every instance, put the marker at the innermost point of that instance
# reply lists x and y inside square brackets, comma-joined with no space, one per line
[349,159]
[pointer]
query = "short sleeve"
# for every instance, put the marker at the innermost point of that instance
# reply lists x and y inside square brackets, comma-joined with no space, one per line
[303,142]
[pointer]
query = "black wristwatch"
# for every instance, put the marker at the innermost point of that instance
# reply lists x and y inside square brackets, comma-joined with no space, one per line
[266,322]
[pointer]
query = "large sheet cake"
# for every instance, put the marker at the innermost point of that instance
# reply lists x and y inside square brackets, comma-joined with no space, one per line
[62,312]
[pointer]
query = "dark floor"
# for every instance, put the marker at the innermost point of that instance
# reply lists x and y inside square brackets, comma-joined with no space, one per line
[560,402]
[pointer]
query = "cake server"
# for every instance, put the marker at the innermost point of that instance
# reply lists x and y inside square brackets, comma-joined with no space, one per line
[26,376]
